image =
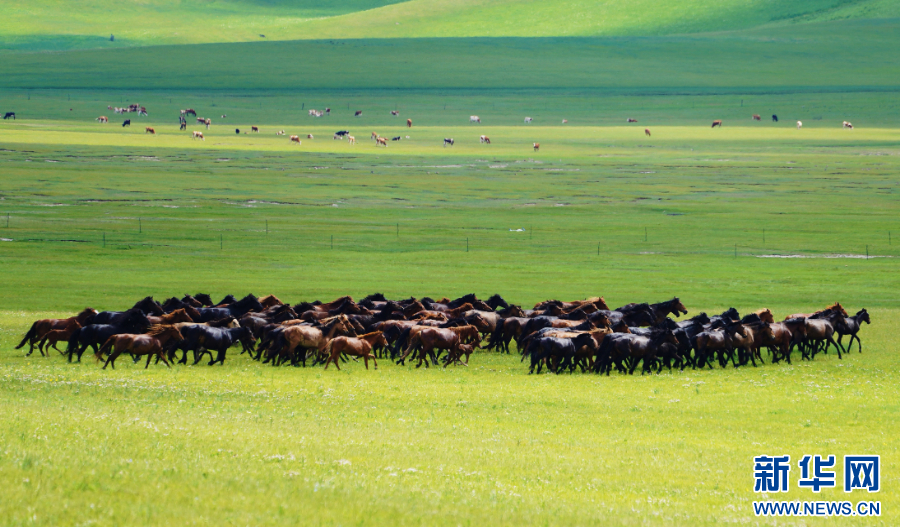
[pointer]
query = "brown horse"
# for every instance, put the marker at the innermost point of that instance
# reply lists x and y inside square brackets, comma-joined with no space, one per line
[270,300]
[55,335]
[409,123]
[765,315]
[179,315]
[311,338]
[41,327]
[448,339]
[149,344]
[149,130]
[717,122]
[358,347]
[647,132]
[835,308]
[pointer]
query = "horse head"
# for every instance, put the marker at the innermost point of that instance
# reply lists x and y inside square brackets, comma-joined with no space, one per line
[150,306]
[204,299]
[863,316]
[496,301]
[678,307]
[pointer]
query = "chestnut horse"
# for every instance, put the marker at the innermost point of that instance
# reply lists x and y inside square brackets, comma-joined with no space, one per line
[149,344]
[358,347]
[55,335]
[41,327]
[179,315]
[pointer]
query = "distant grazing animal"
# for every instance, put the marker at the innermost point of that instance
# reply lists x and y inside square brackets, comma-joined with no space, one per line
[647,131]
[207,123]
[381,141]
[409,123]
[280,132]
[528,120]
[474,119]
[7,115]
[565,121]
[374,136]
[183,125]
[309,136]
[312,112]
[716,123]
[237,130]
[396,138]
[254,129]
[848,125]
[295,139]
[756,117]
[351,140]
[149,130]
[102,119]
[537,146]
[485,139]
[201,120]
[448,141]
[189,111]
[358,113]
[224,116]
[198,135]
[799,125]
[340,134]
[395,112]
[126,123]
[774,118]
[327,111]
[630,120]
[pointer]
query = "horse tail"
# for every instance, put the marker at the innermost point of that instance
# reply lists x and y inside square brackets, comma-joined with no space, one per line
[32,333]
[72,345]
[328,348]
[105,348]
[412,343]
[496,337]
[399,344]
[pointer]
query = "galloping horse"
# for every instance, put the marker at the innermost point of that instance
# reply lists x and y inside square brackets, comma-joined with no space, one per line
[360,346]
[55,335]
[149,344]
[40,328]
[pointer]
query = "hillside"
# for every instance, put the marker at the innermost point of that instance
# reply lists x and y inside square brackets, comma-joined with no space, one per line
[49,25]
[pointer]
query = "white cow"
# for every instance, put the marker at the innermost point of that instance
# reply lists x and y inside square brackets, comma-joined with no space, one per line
[474,119]
[848,125]
[528,120]
[799,125]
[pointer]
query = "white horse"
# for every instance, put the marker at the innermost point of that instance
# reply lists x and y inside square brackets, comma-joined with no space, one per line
[528,120]
[474,119]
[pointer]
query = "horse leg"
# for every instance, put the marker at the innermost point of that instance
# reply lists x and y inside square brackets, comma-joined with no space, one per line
[831,340]
[149,356]
[111,359]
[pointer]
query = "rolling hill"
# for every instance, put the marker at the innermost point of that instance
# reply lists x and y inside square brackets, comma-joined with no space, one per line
[55,25]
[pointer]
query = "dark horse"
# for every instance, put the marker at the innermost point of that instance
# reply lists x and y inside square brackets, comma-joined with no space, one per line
[660,310]
[7,115]
[94,335]
[237,309]
[203,339]
[850,326]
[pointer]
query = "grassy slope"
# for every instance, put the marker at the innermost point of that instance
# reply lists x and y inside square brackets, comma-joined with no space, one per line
[48,24]
[833,55]
[536,18]
[55,24]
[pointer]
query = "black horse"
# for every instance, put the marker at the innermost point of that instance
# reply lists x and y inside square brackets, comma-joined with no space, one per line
[850,326]
[7,115]
[237,309]
[94,335]
[204,339]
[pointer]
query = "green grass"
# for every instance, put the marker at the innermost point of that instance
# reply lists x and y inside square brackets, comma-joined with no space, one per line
[833,56]
[250,444]
[100,215]
[49,25]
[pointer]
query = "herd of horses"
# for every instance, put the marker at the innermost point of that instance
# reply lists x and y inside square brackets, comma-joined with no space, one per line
[560,336]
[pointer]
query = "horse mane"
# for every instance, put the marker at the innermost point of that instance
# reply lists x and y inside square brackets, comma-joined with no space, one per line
[159,329]
[375,297]
[86,312]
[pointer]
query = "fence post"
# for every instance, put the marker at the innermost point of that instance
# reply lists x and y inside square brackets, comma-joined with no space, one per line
[598,248]
[140,228]
[735,250]
[645,234]
[7,222]
[467,245]
[889,232]
[267,227]
[332,241]
[104,239]
[867,252]
[398,229]
[764,236]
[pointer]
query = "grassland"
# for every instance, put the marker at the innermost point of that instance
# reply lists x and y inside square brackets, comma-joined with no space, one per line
[103,215]
[249,444]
